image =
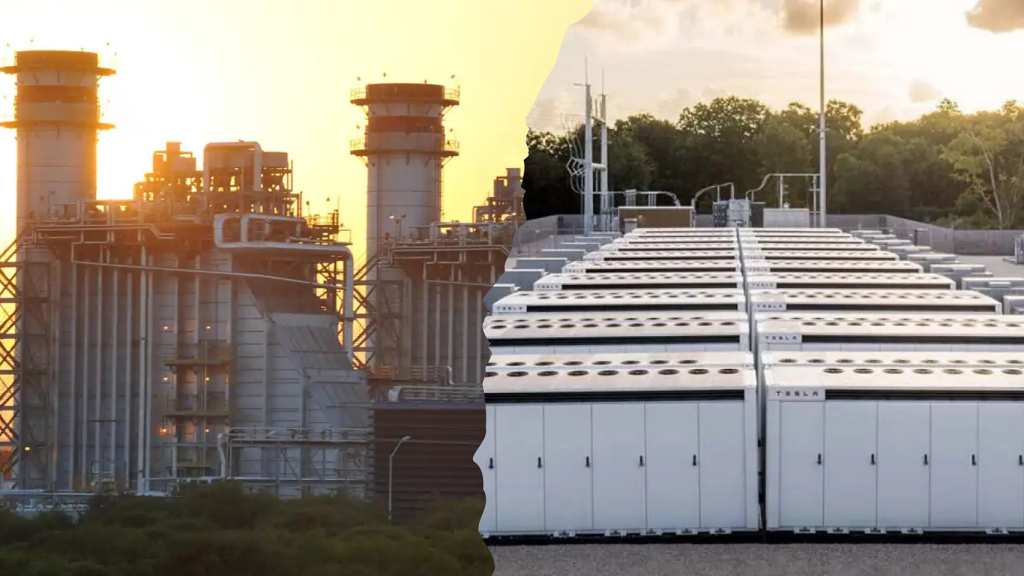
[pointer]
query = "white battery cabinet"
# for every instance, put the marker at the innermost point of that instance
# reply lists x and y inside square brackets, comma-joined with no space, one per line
[500,362]
[1010,362]
[663,254]
[781,231]
[634,301]
[829,240]
[658,266]
[787,246]
[674,240]
[872,301]
[613,332]
[867,281]
[620,450]
[660,281]
[819,255]
[891,447]
[760,267]
[860,332]
[641,247]
[681,232]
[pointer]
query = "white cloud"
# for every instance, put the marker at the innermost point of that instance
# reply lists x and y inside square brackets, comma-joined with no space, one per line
[671,105]
[922,91]
[554,113]
[997,16]
[803,17]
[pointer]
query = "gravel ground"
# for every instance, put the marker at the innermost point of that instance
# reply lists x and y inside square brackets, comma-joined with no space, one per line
[760,560]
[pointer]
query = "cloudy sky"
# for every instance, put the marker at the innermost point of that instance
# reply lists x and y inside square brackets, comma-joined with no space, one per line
[893,58]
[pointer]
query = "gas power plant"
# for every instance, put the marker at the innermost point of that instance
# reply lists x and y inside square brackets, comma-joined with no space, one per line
[208,329]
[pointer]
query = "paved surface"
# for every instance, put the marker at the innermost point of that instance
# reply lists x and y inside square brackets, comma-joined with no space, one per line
[760,560]
[995,264]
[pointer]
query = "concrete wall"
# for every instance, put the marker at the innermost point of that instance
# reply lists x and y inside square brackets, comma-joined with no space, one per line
[539,234]
[952,241]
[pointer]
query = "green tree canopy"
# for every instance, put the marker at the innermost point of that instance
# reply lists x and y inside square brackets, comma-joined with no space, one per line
[945,166]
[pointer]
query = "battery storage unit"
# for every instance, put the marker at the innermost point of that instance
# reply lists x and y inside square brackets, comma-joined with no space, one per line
[643,247]
[614,256]
[833,255]
[871,301]
[620,301]
[649,266]
[680,232]
[926,333]
[503,362]
[615,452]
[955,360]
[812,247]
[614,332]
[776,232]
[892,448]
[699,241]
[840,281]
[654,280]
[762,267]
[803,240]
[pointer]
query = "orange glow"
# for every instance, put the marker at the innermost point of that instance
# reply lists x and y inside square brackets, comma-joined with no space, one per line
[280,73]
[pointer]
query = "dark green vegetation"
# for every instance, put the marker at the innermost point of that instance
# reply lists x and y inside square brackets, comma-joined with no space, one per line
[222,531]
[946,167]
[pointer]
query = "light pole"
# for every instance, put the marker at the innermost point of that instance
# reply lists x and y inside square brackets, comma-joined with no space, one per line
[391,461]
[398,225]
[824,164]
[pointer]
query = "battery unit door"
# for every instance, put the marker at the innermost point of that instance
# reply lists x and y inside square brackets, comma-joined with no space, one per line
[568,498]
[519,482]
[620,502]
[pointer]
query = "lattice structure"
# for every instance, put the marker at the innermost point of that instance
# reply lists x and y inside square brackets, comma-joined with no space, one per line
[425,328]
[24,372]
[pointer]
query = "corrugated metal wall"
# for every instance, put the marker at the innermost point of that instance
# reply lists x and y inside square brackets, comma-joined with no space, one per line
[437,461]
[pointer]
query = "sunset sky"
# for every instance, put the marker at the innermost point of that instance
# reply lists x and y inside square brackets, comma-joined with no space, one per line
[280,72]
[893,58]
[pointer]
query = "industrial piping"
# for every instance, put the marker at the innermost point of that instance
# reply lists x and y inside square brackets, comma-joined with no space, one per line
[334,249]
[257,169]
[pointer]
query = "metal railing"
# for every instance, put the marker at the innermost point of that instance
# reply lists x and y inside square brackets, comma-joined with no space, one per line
[95,116]
[297,435]
[436,374]
[439,145]
[208,352]
[441,394]
[211,403]
[107,58]
[450,94]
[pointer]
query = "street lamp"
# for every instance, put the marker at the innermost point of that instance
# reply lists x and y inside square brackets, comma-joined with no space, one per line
[391,461]
[398,225]
[823,166]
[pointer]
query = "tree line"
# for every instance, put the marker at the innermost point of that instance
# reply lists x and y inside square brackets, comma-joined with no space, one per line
[946,167]
[222,530]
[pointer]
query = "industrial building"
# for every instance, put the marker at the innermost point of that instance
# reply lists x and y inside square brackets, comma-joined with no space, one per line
[191,332]
[209,329]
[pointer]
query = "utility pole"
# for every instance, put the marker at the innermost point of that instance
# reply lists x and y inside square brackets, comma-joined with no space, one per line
[824,160]
[606,198]
[588,162]
[588,155]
